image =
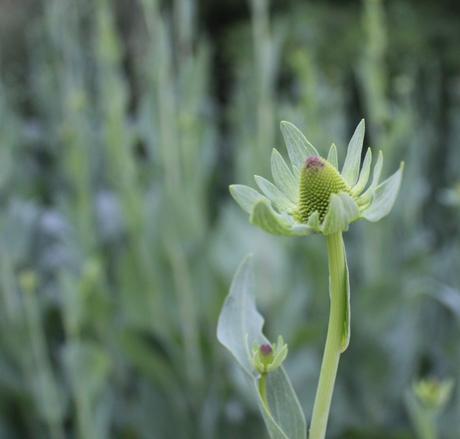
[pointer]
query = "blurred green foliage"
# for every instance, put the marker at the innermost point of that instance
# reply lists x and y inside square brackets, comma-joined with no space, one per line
[121,125]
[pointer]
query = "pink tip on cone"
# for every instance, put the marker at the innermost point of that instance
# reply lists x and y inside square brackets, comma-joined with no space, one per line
[266,349]
[314,162]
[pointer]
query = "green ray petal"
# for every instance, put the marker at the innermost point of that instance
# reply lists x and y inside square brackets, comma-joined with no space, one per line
[245,196]
[274,194]
[384,197]
[342,211]
[298,147]
[350,170]
[332,156]
[283,177]
[364,175]
[267,219]
[368,195]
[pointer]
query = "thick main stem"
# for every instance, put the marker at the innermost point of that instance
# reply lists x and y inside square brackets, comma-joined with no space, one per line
[332,350]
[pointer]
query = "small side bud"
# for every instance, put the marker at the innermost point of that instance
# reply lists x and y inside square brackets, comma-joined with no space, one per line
[267,358]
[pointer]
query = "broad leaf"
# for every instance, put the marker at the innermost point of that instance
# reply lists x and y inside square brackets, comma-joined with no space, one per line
[239,328]
[240,325]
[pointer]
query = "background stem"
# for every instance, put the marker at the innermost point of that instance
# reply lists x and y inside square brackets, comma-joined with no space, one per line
[332,350]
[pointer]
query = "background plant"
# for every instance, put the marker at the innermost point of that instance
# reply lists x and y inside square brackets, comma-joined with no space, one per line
[121,127]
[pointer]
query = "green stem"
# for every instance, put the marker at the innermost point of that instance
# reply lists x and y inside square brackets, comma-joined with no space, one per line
[332,350]
[263,390]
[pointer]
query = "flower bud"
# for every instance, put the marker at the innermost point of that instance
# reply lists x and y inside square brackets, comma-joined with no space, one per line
[318,180]
[267,358]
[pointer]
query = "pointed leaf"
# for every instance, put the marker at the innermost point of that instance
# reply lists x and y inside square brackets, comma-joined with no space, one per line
[274,194]
[350,168]
[245,196]
[384,197]
[283,176]
[267,219]
[332,156]
[299,148]
[240,325]
[239,328]
[342,211]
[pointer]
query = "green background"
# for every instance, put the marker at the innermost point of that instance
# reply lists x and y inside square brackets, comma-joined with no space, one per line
[122,123]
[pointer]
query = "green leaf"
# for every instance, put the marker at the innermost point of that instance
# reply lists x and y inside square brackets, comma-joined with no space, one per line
[332,156]
[239,328]
[245,196]
[285,419]
[350,170]
[384,197]
[298,147]
[267,219]
[342,211]
[283,176]
[240,325]
[274,194]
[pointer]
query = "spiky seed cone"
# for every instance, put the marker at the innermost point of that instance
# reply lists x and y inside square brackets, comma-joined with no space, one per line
[318,180]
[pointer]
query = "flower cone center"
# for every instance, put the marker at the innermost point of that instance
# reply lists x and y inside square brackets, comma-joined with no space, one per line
[318,180]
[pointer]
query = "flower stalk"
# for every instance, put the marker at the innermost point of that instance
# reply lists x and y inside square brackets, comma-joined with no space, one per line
[333,347]
[262,383]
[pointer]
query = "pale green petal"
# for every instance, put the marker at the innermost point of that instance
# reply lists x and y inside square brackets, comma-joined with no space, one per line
[350,170]
[332,156]
[342,211]
[367,196]
[283,177]
[384,197]
[365,173]
[274,194]
[267,219]
[245,196]
[299,148]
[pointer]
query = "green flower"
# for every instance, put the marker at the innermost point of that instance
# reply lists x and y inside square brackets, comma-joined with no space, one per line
[312,195]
